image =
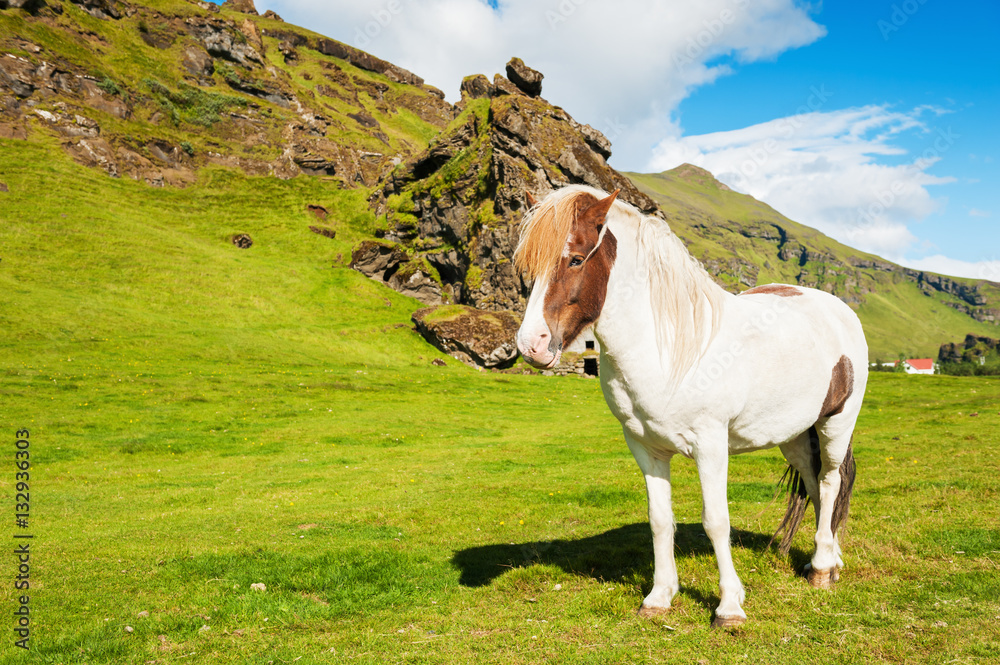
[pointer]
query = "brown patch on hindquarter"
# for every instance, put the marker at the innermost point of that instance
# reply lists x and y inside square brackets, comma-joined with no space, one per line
[576,294]
[783,290]
[841,388]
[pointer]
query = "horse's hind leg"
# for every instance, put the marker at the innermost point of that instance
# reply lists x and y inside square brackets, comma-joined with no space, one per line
[836,479]
[802,453]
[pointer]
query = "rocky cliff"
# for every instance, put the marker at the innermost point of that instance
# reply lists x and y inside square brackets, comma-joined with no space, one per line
[206,86]
[449,215]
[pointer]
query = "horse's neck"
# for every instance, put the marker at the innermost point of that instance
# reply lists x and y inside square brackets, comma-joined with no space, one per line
[627,328]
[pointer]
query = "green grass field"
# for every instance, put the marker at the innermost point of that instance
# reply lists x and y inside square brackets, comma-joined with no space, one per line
[205,418]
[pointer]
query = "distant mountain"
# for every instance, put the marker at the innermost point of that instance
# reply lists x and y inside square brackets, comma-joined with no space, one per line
[162,92]
[744,242]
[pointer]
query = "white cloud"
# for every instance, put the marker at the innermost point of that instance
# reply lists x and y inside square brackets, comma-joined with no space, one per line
[824,169]
[976,212]
[621,66]
[947,266]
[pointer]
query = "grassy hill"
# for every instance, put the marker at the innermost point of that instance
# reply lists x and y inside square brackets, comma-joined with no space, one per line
[744,242]
[169,87]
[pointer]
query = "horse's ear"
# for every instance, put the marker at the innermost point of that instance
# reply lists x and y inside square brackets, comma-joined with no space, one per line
[599,209]
[532,201]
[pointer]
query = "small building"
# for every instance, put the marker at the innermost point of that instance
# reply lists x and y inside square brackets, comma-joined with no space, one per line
[919,366]
[581,357]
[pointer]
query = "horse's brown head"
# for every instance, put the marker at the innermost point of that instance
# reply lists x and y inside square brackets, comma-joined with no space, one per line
[567,250]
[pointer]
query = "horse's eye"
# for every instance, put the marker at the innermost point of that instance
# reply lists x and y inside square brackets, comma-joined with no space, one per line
[575,261]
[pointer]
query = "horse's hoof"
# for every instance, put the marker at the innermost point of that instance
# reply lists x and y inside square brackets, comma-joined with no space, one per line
[647,612]
[835,575]
[821,579]
[728,622]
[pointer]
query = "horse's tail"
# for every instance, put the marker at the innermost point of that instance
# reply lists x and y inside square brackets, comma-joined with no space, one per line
[798,497]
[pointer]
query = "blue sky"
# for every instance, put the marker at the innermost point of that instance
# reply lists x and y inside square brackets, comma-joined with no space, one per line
[942,55]
[871,121]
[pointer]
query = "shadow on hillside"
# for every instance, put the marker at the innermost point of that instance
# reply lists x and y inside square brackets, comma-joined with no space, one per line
[619,555]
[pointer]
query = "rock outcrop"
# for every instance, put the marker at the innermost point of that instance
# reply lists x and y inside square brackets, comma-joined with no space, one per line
[367,62]
[485,339]
[243,6]
[524,77]
[26,5]
[223,39]
[103,9]
[390,264]
[970,350]
[456,206]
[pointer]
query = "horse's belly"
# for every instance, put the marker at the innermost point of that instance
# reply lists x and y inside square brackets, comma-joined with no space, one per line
[774,420]
[744,442]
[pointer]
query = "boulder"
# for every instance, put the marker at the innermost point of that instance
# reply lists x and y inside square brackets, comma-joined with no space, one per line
[475,87]
[103,9]
[528,80]
[27,5]
[273,16]
[482,338]
[219,38]
[197,61]
[243,6]
[252,33]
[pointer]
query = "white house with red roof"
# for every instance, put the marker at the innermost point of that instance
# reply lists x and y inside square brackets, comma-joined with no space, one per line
[919,366]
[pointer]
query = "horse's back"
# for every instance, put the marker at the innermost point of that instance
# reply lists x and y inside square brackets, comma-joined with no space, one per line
[812,315]
[800,342]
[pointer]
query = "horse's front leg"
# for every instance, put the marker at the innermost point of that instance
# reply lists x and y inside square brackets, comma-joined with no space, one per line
[661,521]
[712,458]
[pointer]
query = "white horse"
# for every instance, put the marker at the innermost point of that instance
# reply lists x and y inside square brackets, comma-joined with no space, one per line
[691,369]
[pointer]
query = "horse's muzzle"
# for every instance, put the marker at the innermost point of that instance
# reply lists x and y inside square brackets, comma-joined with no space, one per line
[537,353]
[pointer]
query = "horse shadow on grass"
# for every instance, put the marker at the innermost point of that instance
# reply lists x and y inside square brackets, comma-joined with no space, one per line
[619,555]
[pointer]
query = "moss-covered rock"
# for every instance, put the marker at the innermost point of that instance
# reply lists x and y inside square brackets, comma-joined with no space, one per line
[485,339]
[467,190]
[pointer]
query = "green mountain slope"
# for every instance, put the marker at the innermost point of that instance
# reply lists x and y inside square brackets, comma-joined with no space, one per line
[157,90]
[186,111]
[744,242]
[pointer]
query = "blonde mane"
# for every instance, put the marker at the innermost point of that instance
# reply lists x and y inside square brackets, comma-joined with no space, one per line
[685,301]
[544,231]
[687,304]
